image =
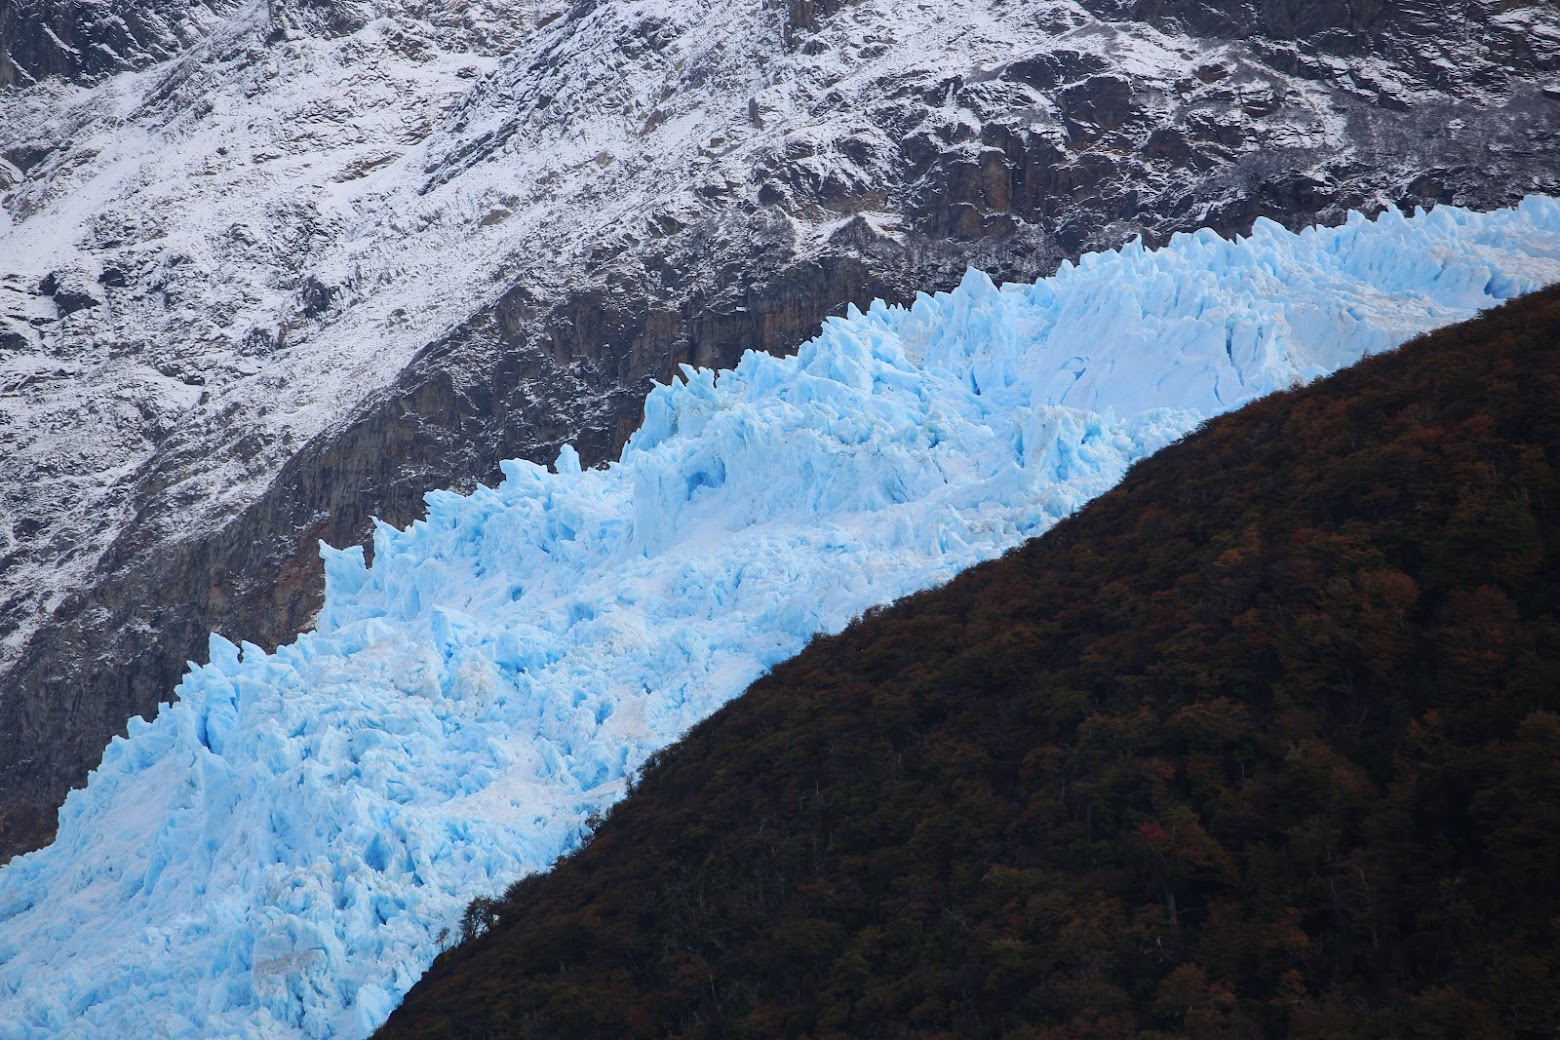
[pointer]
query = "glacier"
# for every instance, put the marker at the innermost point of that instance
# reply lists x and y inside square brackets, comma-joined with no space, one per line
[287,846]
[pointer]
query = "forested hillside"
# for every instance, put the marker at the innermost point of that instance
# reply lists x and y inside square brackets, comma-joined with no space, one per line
[1265,742]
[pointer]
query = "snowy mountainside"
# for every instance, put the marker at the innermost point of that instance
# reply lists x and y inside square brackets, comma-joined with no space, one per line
[203,191]
[156,256]
[329,256]
[284,848]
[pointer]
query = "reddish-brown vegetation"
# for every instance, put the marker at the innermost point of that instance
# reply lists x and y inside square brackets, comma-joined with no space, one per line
[1264,743]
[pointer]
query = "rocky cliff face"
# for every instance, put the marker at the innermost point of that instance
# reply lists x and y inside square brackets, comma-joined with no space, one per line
[86,40]
[331,257]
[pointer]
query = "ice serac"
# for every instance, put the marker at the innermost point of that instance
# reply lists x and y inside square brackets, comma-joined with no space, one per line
[285,848]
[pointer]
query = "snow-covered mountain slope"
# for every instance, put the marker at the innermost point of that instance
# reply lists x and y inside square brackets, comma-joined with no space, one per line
[285,848]
[333,254]
[173,214]
[178,236]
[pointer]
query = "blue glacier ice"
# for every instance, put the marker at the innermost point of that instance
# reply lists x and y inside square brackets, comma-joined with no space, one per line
[286,846]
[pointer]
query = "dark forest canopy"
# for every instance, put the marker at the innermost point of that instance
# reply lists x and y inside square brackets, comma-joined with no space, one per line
[1263,743]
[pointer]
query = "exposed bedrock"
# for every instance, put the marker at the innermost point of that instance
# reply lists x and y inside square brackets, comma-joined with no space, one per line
[84,41]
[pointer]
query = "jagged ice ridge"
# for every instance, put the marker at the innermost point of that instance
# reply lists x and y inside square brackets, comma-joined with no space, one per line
[287,846]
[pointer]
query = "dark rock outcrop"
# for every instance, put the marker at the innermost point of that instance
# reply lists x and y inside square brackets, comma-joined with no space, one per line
[85,40]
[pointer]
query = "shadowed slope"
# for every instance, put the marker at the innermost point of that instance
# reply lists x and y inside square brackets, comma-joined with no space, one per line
[1263,742]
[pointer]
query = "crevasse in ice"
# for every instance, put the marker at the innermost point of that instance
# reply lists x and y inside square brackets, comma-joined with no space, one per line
[282,851]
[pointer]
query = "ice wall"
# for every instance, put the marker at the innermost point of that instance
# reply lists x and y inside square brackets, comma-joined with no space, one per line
[282,851]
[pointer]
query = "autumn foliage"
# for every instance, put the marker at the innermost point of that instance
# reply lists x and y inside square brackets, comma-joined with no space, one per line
[1264,743]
